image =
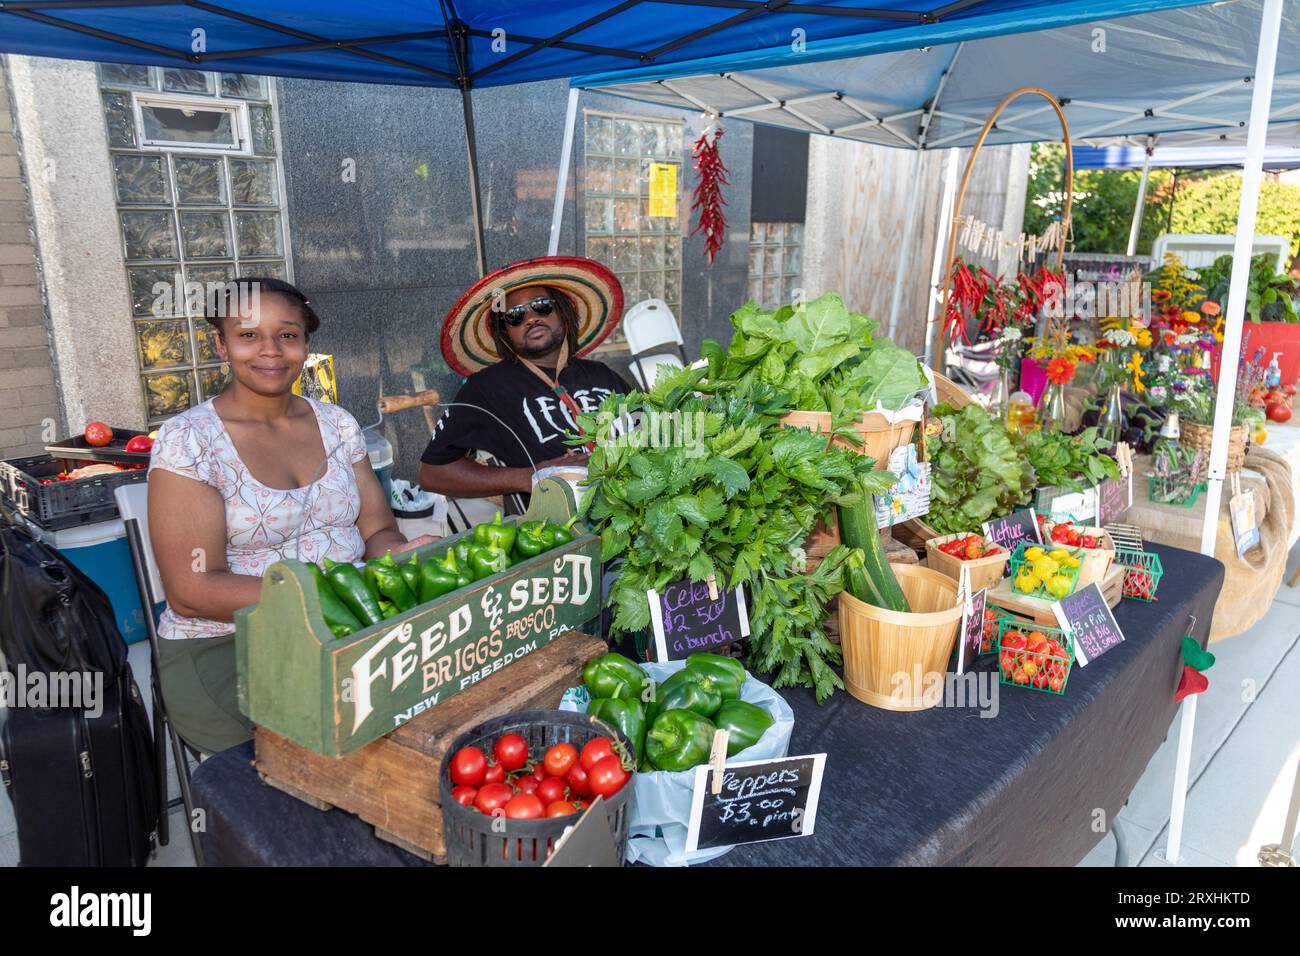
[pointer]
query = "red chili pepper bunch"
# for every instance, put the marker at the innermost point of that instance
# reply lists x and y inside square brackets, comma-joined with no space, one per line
[708,192]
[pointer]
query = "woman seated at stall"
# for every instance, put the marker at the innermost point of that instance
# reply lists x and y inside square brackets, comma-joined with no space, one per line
[250,477]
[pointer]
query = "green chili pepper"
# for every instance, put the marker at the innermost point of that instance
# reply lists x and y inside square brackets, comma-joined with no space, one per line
[390,583]
[744,723]
[529,540]
[627,715]
[555,535]
[613,675]
[353,591]
[679,740]
[689,690]
[486,560]
[729,672]
[460,569]
[496,534]
[436,579]
[411,574]
[338,618]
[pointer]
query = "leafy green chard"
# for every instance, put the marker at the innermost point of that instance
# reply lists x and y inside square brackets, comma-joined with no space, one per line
[977,470]
[736,501]
[1070,461]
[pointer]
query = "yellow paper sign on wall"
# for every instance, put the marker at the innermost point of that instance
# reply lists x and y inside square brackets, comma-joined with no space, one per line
[663,189]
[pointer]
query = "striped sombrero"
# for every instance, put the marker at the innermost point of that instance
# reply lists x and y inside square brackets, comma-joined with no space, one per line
[467,342]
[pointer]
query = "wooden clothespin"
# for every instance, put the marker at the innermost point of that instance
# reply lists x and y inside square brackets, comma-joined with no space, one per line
[712,582]
[718,759]
[1124,458]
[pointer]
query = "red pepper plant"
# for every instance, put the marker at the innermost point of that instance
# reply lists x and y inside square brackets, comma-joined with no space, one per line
[708,191]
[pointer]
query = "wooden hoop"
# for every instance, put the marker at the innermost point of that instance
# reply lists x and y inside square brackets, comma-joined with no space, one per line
[965,182]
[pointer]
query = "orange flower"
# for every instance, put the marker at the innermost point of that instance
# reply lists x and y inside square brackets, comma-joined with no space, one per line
[1210,308]
[1160,295]
[1060,370]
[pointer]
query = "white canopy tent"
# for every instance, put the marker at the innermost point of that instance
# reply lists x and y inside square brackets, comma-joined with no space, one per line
[1204,67]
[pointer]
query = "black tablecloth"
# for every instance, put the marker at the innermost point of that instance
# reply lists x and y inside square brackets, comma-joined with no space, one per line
[941,786]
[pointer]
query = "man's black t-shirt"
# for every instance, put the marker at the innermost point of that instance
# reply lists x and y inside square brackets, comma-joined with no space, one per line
[529,409]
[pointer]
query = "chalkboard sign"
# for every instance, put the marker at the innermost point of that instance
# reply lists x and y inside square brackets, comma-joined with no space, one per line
[1016,527]
[761,800]
[972,629]
[686,619]
[1087,616]
[1114,497]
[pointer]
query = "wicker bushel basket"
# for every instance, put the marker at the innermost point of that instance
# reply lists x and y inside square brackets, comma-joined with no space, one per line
[879,436]
[889,656]
[1201,437]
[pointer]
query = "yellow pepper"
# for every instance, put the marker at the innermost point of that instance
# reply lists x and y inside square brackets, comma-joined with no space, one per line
[1059,585]
[1034,553]
[1027,581]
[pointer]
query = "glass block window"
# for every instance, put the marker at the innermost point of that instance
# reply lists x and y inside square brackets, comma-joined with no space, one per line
[190,217]
[775,262]
[644,251]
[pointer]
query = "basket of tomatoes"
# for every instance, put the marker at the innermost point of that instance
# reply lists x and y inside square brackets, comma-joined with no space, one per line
[986,560]
[1142,573]
[1092,545]
[511,785]
[1034,656]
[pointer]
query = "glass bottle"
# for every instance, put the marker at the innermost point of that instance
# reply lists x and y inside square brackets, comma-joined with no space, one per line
[1051,408]
[1111,422]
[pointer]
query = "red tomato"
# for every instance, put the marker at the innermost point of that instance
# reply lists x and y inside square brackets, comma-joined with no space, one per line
[1040,680]
[1056,682]
[464,795]
[527,783]
[539,771]
[524,806]
[550,790]
[495,773]
[511,751]
[1021,676]
[561,808]
[140,443]
[578,781]
[98,434]
[1278,412]
[492,796]
[608,776]
[559,759]
[468,767]
[596,751]
[1013,640]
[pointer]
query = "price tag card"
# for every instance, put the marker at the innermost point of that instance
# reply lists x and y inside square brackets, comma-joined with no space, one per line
[1009,531]
[686,619]
[1114,498]
[1088,618]
[972,629]
[663,189]
[759,800]
[1245,522]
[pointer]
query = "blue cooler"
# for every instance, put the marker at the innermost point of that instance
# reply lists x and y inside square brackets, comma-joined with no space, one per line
[101,552]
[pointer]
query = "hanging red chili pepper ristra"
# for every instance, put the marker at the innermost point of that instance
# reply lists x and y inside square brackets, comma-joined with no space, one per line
[708,192]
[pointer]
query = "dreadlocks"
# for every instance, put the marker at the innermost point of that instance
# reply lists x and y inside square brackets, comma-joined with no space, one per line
[563,307]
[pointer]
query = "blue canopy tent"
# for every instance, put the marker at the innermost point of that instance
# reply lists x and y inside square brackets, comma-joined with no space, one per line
[920,74]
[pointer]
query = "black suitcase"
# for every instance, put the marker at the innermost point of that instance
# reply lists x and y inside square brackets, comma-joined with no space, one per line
[83,789]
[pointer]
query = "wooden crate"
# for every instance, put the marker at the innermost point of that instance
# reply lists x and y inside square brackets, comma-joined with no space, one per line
[1039,610]
[334,695]
[392,783]
[984,572]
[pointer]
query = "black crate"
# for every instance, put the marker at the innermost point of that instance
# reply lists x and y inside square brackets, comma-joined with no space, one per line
[60,504]
[76,448]
[471,839]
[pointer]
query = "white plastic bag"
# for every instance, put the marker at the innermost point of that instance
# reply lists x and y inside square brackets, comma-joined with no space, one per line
[661,804]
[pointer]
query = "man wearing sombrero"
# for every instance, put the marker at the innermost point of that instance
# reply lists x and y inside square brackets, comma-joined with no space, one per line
[518,335]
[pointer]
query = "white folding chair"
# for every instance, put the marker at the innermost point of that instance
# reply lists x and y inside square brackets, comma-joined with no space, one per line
[133,505]
[651,325]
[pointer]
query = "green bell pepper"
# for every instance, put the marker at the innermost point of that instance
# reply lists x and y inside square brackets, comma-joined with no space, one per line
[627,715]
[388,609]
[390,583]
[411,574]
[715,665]
[436,579]
[679,740]
[744,723]
[459,568]
[613,675]
[496,534]
[689,690]
[529,540]
[353,591]
[554,535]
[486,560]
[461,550]
[338,618]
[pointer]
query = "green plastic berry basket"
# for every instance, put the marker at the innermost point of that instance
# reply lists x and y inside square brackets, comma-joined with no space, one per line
[1174,492]
[1034,670]
[1018,561]
[1142,573]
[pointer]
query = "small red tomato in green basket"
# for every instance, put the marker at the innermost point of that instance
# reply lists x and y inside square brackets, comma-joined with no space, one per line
[524,806]
[527,783]
[464,795]
[595,751]
[511,751]
[561,808]
[559,760]
[468,767]
[578,782]
[608,776]
[493,796]
[495,773]
[1056,682]
[550,790]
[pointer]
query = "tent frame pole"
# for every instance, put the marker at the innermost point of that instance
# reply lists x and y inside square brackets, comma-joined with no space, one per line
[900,270]
[458,40]
[1140,206]
[1251,174]
[562,174]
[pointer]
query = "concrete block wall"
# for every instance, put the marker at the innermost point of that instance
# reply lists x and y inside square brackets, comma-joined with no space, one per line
[29,403]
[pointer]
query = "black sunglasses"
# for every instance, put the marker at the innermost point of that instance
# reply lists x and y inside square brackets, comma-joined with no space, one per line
[543,305]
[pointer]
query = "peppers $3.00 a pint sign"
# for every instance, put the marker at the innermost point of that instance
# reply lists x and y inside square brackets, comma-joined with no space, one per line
[686,618]
[759,800]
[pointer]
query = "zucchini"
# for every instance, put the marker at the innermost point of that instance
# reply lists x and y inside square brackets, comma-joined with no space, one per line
[875,582]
